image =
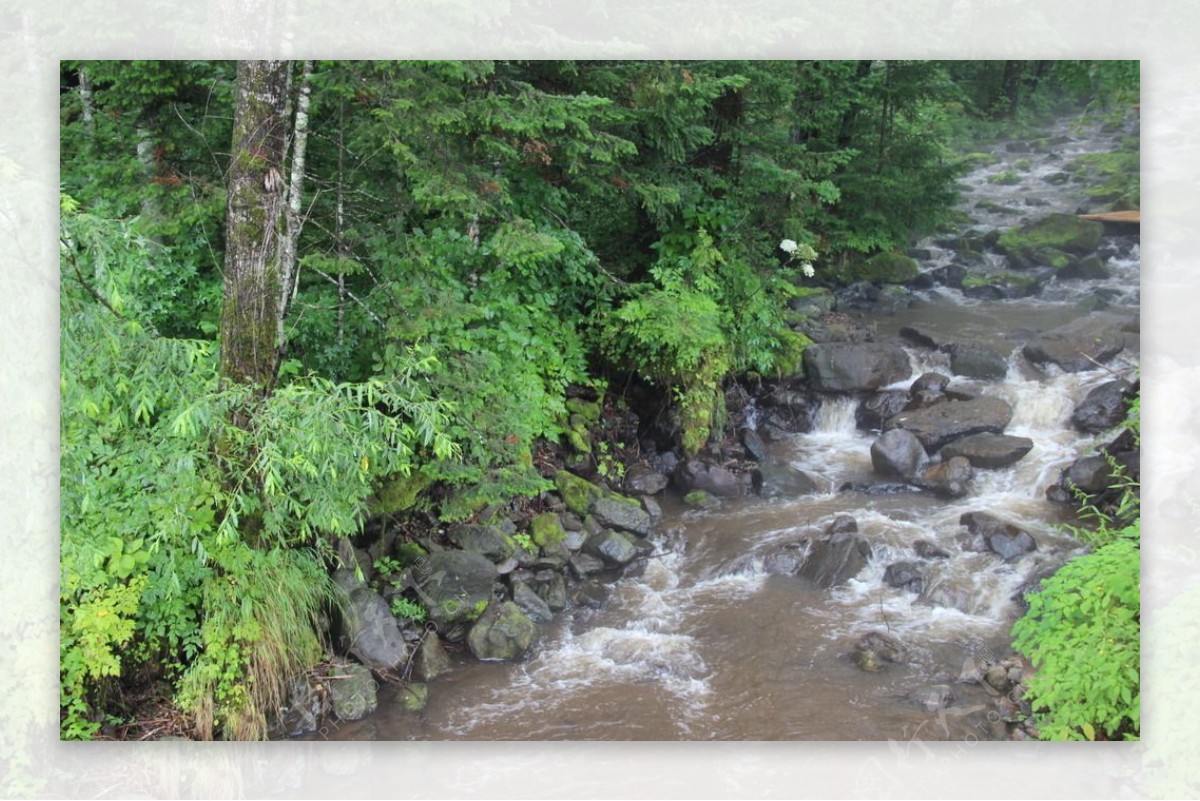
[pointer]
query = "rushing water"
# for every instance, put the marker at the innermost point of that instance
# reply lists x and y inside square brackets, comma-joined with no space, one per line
[700,642]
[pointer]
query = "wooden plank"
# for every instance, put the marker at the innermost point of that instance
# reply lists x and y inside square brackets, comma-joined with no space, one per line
[1133,217]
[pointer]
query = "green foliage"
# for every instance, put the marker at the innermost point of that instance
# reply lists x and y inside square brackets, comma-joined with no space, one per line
[162,493]
[1083,631]
[262,622]
[405,609]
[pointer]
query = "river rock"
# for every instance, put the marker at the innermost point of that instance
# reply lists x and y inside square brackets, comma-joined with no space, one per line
[950,478]
[927,550]
[898,454]
[528,601]
[756,449]
[454,583]
[933,697]
[623,513]
[781,481]
[698,474]
[551,587]
[1081,344]
[352,691]
[989,451]
[1003,539]
[1091,474]
[851,367]
[938,425]
[977,360]
[643,480]
[1064,232]
[613,547]
[930,382]
[836,560]
[431,659]
[784,561]
[490,541]
[877,409]
[875,649]
[904,576]
[370,628]
[585,564]
[502,634]
[1103,408]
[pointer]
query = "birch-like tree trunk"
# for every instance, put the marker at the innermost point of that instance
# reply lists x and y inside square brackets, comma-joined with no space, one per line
[88,103]
[254,226]
[290,268]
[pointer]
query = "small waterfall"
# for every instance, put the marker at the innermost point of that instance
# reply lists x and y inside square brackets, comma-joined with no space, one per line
[835,416]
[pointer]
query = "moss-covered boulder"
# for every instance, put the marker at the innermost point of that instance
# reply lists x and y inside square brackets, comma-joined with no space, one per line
[577,493]
[1000,285]
[887,268]
[1061,232]
[546,530]
[397,493]
[502,634]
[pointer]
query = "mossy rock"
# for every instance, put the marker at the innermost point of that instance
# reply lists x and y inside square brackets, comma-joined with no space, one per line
[408,553]
[980,159]
[1006,178]
[577,438]
[1059,231]
[577,493]
[996,208]
[398,493]
[547,530]
[589,410]
[1000,285]
[701,499]
[888,268]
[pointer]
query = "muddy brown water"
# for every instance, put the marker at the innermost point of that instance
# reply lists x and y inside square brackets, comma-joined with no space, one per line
[700,643]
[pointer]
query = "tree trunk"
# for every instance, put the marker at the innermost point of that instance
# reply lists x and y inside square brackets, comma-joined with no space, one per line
[249,324]
[88,103]
[290,269]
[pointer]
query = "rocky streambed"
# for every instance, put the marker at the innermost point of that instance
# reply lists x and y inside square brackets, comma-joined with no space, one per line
[845,564]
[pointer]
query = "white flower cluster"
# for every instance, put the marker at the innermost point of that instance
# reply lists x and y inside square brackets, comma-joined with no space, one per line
[790,247]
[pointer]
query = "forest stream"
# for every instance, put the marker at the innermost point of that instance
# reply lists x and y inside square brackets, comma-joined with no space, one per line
[704,640]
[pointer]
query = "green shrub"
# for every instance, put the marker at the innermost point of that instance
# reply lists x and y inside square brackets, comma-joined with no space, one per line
[1083,630]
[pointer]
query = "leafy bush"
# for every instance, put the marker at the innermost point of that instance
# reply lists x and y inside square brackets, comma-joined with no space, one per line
[1082,632]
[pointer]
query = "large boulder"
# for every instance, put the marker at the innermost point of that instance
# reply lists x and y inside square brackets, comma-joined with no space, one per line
[623,513]
[889,268]
[489,541]
[1080,345]
[502,634]
[1103,408]
[1062,232]
[854,367]
[977,360]
[372,633]
[532,604]
[836,560]
[454,584]
[877,409]
[644,480]
[904,576]
[352,692]
[949,478]
[898,454]
[613,547]
[782,481]
[938,425]
[989,451]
